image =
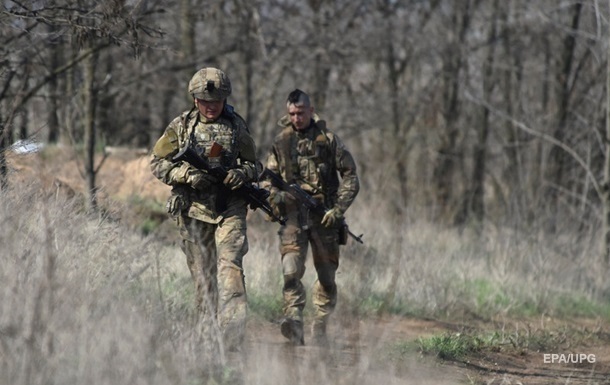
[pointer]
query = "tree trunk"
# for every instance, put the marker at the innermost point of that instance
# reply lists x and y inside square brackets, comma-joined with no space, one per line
[89,130]
[23,124]
[187,43]
[53,95]
[448,153]
[320,53]
[67,137]
[395,67]
[511,89]
[473,202]
[558,159]
[3,147]
[606,183]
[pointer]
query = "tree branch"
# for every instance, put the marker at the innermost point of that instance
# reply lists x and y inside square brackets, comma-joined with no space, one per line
[548,138]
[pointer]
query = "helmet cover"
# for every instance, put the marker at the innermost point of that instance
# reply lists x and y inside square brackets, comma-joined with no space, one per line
[210,84]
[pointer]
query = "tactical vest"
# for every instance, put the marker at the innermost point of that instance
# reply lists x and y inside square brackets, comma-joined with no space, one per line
[207,205]
[225,131]
[308,160]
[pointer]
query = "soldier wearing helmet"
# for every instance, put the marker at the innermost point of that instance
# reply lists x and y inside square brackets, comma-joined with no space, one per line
[308,154]
[211,219]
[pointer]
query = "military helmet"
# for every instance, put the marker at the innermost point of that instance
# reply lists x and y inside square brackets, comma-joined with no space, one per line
[210,84]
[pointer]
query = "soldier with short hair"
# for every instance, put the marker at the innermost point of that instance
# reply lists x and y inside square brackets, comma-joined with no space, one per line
[307,153]
[210,217]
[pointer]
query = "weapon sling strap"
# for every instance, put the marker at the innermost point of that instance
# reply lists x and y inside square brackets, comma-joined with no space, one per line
[189,137]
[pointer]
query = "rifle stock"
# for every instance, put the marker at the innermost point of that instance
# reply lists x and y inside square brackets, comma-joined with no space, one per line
[255,197]
[304,198]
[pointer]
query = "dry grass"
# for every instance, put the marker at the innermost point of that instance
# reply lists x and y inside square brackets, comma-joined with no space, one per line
[87,300]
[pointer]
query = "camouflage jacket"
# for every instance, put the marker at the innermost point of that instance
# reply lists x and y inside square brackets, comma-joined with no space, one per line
[214,202]
[314,159]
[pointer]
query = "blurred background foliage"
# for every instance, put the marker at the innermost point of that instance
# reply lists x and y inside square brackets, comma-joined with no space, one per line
[464,113]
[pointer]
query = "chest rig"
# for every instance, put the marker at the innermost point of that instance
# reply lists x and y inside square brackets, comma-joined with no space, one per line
[202,135]
[309,161]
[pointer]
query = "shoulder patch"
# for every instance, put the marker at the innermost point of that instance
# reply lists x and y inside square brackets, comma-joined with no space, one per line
[166,145]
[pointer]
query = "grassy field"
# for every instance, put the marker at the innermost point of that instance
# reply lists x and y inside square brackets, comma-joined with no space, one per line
[98,299]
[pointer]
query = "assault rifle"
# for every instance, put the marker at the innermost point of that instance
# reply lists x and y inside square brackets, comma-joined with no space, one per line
[255,197]
[307,201]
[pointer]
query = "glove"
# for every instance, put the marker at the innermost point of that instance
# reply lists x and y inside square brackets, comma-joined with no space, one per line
[277,198]
[199,180]
[235,179]
[277,201]
[332,217]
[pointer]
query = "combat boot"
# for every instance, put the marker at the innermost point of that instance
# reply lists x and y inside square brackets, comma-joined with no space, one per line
[318,333]
[293,330]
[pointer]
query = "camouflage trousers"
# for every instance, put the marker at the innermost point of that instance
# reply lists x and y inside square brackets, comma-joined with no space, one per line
[294,243]
[214,254]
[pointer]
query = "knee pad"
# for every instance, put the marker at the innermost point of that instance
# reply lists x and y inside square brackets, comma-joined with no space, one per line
[290,265]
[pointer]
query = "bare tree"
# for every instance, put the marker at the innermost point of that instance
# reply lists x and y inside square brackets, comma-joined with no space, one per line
[606,181]
[99,26]
[473,205]
[558,160]
[89,129]
[397,79]
[448,154]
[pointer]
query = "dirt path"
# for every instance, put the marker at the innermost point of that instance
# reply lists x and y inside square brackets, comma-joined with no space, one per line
[355,356]
[361,353]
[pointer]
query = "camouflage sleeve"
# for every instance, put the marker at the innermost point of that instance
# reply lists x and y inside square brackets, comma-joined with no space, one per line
[346,166]
[161,164]
[272,163]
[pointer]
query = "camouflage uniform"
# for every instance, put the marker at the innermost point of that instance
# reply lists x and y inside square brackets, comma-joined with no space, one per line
[211,220]
[313,158]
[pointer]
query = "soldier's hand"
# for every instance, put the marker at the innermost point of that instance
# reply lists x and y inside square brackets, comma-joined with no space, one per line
[200,180]
[277,198]
[235,179]
[332,217]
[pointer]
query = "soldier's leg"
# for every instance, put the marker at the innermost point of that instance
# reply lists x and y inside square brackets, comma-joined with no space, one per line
[200,250]
[232,245]
[293,251]
[325,252]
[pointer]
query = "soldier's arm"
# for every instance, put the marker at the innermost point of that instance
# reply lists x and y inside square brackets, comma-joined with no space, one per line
[346,166]
[161,165]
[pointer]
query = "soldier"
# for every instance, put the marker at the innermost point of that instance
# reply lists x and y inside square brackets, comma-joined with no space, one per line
[211,219]
[307,153]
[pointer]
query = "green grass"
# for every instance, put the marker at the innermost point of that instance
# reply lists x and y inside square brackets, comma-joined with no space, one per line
[377,303]
[459,346]
[575,305]
[488,298]
[487,295]
[267,306]
[454,346]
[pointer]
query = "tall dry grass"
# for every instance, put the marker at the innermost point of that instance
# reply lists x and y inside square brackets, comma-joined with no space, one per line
[84,299]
